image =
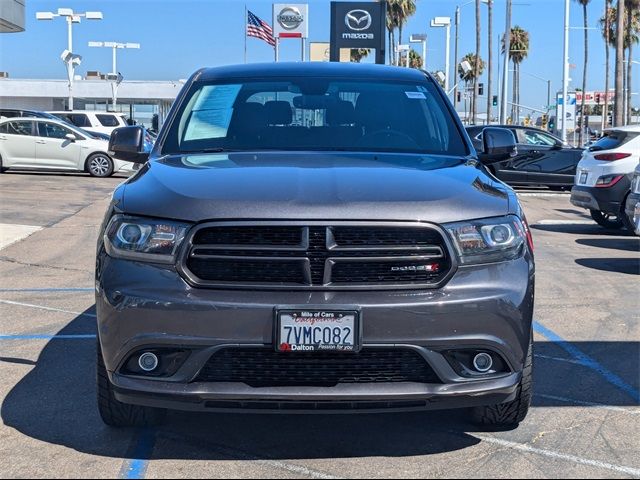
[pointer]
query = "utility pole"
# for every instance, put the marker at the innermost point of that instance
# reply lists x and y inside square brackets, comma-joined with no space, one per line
[565,72]
[505,72]
[455,55]
[490,60]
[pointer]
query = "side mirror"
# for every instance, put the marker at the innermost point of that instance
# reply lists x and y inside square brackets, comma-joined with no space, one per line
[499,144]
[71,137]
[127,144]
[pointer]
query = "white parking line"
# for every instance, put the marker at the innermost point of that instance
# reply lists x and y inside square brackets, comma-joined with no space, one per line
[588,404]
[565,222]
[10,233]
[541,194]
[51,309]
[561,456]
[558,359]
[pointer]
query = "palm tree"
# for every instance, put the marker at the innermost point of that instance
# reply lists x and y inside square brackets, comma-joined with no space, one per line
[477,69]
[605,23]
[490,61]
[584,4]
[518,51]
[476,74]
[619,101]
[357,54]
[415,59]
[632,36]
[398,12]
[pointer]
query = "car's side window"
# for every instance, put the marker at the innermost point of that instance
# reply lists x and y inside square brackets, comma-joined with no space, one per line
[108,120]
[52,130]
[19,128]
[80,120]
[532,137]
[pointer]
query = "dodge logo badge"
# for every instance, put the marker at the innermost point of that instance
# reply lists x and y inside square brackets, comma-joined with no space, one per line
[358,20]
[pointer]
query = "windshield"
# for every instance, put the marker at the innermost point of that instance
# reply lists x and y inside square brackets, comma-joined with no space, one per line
[315,114]
[612,140]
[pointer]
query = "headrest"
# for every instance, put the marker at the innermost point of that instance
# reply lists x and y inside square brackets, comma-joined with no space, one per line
[249,116]
[278,112]
[341,113]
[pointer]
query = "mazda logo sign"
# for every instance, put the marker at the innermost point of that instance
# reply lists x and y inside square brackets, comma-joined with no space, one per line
[358,20]
[290,18]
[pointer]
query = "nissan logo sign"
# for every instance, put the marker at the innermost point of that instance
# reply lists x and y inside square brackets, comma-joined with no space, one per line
[358,20]
[290,18]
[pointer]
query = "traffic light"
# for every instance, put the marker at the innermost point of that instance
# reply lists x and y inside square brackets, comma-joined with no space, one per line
[545,122]
[481,89]
[495,100]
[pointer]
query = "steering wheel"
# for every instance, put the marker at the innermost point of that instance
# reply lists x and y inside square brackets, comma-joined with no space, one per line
[402,138]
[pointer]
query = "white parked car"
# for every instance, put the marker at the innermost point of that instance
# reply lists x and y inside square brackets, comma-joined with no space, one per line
[93,121]
[633,202]
[41,143]
[603,176]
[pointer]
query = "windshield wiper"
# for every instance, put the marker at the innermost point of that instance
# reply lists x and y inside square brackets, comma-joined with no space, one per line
[210,150]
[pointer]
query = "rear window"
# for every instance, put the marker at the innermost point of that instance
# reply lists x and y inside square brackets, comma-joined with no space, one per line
[108,120]
[315,114]
[613,140]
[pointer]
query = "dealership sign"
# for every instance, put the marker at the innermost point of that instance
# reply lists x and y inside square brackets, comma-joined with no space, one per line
[290,20]
[358,25]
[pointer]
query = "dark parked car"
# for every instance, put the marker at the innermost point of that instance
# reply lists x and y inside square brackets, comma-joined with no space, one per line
[19,113]
[313,237]
[542,159]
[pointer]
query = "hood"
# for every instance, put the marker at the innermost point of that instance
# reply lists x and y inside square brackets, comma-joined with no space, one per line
[313,186]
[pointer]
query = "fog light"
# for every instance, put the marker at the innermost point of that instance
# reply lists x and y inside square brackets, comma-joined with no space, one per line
[148,362]
[482,362]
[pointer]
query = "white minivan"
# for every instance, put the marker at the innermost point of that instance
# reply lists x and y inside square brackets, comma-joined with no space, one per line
[46,144]
[603,176]
[93,121]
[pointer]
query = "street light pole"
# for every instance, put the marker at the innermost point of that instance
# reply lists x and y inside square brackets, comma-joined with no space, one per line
[116,78]
[455,89]
[445,22]
[70,59]
[565,72]
[505,72]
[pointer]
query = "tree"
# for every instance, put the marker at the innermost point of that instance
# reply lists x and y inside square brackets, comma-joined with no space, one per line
[518,51]
[490,59]
[631,36]
[619,101]
[357,54]
[415,59]
[476,76]
[477,69]
[398,12]
[584,4]
[605,23]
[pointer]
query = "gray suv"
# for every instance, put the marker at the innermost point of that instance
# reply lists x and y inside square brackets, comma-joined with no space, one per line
[317,238]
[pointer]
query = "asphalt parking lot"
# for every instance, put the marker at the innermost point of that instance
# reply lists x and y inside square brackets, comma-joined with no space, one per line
[585,420]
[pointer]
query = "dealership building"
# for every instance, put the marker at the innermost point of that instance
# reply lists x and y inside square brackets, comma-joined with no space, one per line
[139,100]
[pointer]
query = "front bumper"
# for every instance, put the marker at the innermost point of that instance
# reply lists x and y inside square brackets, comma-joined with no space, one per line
[632,210]
[607,200]
[485,307]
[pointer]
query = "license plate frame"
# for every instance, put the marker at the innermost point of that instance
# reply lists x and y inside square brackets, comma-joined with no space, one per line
[316,319]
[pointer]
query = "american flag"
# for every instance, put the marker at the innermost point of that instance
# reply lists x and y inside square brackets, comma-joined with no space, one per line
[260,29]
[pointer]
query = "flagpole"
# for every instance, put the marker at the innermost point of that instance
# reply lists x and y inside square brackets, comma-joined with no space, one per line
[245,32]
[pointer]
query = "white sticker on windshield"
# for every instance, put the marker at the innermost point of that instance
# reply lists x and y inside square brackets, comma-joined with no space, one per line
[416,95]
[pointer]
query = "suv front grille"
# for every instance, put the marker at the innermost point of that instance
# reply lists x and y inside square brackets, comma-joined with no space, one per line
[317,256]
[263,367]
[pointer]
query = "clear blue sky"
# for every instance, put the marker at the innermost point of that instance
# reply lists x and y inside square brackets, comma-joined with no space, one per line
[179,36]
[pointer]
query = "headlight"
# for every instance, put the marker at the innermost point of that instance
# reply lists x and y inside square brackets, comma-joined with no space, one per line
[489,240]
[145,239]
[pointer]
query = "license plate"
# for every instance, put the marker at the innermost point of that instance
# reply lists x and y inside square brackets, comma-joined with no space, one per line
[317,330]
[583,177]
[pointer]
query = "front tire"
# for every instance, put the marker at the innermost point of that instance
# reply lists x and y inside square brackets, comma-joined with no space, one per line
[118,414]
[100,165]
[510,414]
[607,220]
